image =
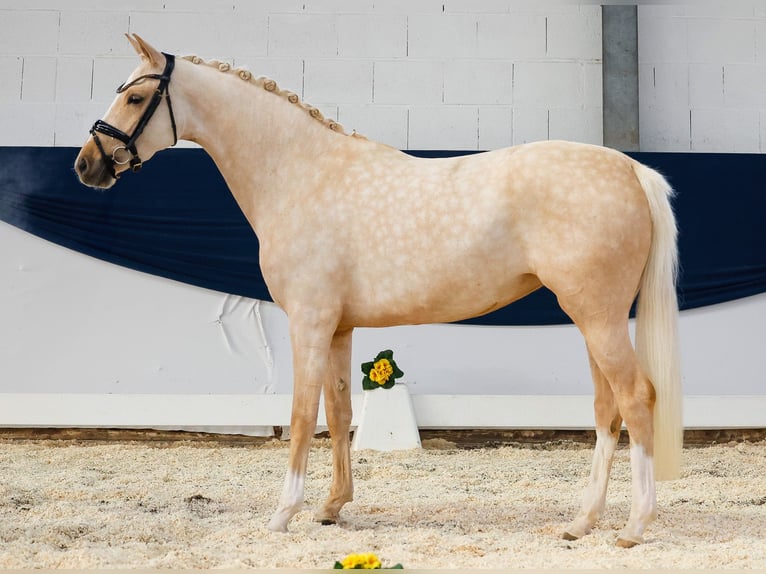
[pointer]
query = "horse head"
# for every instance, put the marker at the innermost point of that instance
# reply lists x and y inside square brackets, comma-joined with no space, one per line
[131,132]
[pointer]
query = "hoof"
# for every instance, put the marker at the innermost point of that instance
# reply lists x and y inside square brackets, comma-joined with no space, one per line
[278,523]
[276,527]
[570,537]
[625,542]
[327,518]
[576,529]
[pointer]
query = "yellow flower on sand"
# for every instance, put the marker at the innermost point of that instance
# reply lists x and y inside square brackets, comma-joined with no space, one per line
[381,372]
[364,561]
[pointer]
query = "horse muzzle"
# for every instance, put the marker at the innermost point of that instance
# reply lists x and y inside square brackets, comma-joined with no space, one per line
[92,169]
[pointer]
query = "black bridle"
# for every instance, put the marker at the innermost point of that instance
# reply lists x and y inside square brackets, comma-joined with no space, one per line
[130,140]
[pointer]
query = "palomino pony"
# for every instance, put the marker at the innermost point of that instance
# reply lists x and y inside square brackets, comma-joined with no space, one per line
[355,233]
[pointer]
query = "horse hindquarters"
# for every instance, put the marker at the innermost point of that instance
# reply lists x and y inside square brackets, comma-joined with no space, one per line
[636,380]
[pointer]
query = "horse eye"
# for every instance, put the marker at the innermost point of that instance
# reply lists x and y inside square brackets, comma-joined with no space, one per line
[135,99]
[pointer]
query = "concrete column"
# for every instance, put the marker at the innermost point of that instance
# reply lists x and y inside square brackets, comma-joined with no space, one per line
[620,76]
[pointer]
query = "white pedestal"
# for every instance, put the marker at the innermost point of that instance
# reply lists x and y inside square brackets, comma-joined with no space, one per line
[387,421]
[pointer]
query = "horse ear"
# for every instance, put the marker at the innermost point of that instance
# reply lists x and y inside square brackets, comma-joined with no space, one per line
[144,49]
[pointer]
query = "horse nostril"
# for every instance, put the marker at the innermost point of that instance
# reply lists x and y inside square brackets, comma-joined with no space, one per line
[82,166]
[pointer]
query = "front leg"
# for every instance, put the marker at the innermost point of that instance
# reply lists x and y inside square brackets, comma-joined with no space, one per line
[310,334]
[337,399]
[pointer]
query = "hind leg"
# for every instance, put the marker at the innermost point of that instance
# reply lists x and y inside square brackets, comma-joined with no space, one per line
[608,425]
[612,351]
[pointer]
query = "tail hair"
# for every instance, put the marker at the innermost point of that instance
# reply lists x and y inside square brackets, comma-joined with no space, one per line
[657,345]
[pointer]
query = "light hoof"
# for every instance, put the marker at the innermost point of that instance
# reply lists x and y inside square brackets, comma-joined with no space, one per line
[278,523]
[578,528]
[274,527]
[625,541]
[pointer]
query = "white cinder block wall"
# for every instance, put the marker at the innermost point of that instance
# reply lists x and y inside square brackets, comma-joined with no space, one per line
[702,77]
[425,74]
[438,74]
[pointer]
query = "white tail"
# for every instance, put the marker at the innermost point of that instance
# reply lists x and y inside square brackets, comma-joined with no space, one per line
[657,325]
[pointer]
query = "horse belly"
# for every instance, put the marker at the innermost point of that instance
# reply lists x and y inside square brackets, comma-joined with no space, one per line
[441,287]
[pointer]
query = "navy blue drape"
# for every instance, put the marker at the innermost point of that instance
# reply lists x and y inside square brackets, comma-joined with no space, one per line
[178,220]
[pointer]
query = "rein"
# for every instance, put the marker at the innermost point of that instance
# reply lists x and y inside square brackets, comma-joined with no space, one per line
[130,140]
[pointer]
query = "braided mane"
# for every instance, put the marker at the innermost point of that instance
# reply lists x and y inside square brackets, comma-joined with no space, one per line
[270,86]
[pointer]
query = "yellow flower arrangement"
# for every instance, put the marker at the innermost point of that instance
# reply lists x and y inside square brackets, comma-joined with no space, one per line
[367,561]
[359,561]
[381,372]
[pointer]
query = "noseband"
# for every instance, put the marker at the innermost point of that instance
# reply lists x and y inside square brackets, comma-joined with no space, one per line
[130,140]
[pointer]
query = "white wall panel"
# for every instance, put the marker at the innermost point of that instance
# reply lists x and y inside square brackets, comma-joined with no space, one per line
[74,76]
[442,37]
[529,124]
[745,85]
[39,83]
[108,73]
[93,33]
[303,35]
[220,35]
[72,123]
[495,127]
[515,36]
[662,35]
[664,129]
[731,130]
[409,82]
[585,125]
[11,70]
[478,82]
[716,39]
[28,124]
[706,85]
[430,124]
[372,36]
[340,81]
[338,6]
[701,84]
[548,84]
[575,36]
[409,7]
[592,86]
[17,37]
[670,83]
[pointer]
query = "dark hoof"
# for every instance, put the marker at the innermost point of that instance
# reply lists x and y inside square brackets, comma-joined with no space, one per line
[570,537]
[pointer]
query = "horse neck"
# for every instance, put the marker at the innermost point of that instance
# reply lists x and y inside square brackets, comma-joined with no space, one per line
[260,142]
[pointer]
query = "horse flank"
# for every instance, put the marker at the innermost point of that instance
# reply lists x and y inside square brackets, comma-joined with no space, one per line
[271,86]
